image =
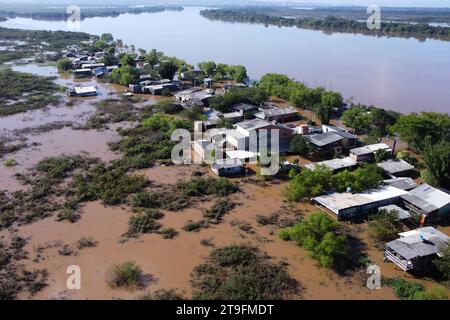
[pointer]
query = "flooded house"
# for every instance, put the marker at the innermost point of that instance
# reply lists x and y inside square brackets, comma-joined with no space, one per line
[349,205]
[396,168]
[367,153]
[82,73]
[277,114]
[427,201]
[334,164]
[404,183]
[328,144]
[82,92]
[227,167]
[244,108]
[416,249]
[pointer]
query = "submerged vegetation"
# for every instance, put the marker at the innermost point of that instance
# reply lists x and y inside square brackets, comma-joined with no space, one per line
[14,278]
[21,92]
[323,237]
[240,272]
[125,275]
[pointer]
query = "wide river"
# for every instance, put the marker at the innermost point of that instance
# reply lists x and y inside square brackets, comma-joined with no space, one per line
[400,74]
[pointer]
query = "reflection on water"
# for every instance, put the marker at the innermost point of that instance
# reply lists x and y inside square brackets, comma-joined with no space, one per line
[401,74]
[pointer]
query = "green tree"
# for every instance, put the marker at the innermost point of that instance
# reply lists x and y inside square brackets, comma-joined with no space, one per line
[167,69]
[382,155]
[322,237]
[239,73]
[323,112]
[128,59]
[443,263]
[309,183]
[64,64]
[358,118]
[124,75]
[108,37]
[437,163]
[299,145]
[384,226]
[152,58]
[414,128]
[208,67]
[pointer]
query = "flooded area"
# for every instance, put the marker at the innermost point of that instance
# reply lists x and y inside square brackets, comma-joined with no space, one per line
[168,263]
[400,74]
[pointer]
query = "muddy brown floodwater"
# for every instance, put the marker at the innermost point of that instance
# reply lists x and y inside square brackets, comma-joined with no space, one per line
[169,262]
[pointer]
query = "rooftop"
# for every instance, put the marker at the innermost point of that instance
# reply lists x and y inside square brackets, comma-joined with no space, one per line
[244,107]
[395,166]
[420,242]
[401,183]
[323,139]
[339,201]
[427,198]
[334,164]
[402,214]
[265,113]
[371,148]
[226,163]
[253,124]
[83,90]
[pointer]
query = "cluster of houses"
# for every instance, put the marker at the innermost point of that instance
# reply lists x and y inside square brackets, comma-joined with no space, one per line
[231,147]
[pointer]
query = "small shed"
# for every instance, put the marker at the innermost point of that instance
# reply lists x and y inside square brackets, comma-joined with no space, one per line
[227,167]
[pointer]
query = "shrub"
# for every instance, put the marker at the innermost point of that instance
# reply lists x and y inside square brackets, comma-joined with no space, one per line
[219,209]
[443,263]
[404,289]
[142,223]
[11,162]
[322,237]
[192,226]
[86,243]
[265,220]
[125,275]
[384,226]
[168,233]
[199,186]
[241,273]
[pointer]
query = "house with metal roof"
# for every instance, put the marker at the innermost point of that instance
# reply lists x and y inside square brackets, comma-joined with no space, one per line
[334,164]
[404,183]
[331,143]
[416,249]
[366,153]
[277,114]
[244,107]
[227,167]
[427,200]
[348,205]
[396,168]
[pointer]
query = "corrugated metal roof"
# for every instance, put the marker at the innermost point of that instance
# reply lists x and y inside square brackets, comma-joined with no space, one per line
[371,148]
[395,166]
[322,139]
[421,242]
[334,164]
[427,198]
